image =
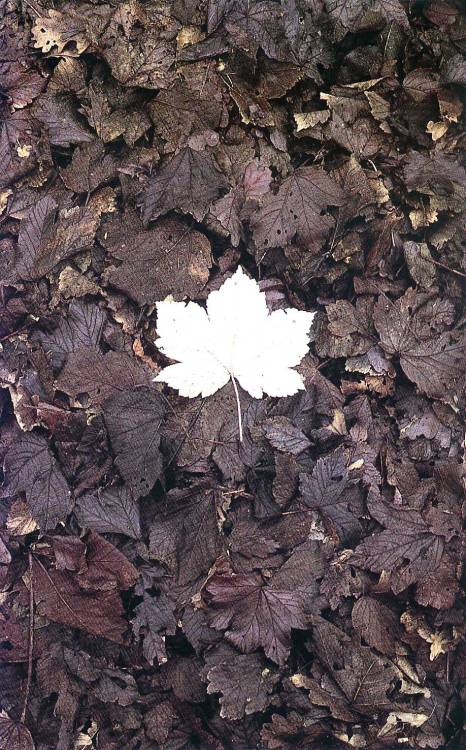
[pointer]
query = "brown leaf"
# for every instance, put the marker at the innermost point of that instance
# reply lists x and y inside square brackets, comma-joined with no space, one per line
[31,468]
[59,597]
[146,62]
[189,182]
[99,375]
[14,736]
[59,117]
[364,678]
[244,681]
[296,210]
[194,104]
[134,419]
[169,259]
[89,168]
[56,30]
[86,598]
[254,615]
[378,625]
[186,537]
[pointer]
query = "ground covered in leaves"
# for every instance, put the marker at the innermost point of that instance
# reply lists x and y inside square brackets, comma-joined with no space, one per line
[164,586]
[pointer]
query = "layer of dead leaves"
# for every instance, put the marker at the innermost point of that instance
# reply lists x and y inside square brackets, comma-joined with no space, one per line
[167,587]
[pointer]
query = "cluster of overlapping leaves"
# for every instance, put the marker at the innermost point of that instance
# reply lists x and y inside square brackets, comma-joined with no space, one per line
[167,586]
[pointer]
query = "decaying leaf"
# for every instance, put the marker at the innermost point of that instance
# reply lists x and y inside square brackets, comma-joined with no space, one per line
[254,615]
[297,210]
[31,468]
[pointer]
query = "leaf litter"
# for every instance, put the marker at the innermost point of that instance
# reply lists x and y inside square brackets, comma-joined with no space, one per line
[179,182]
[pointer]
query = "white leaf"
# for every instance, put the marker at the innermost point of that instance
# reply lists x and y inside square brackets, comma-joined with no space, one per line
[235,339]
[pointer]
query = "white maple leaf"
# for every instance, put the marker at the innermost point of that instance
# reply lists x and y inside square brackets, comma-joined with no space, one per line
[236,339]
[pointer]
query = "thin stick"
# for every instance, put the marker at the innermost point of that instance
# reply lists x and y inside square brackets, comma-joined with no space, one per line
[240,423]
[31,639]
[445,268]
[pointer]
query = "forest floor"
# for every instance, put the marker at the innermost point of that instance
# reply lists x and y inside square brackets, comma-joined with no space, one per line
[165,585]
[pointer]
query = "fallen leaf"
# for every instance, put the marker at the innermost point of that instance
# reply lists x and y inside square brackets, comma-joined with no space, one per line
[220,344]
[31,468]
[133,420]
[297,210]
[189,182]
[254,615]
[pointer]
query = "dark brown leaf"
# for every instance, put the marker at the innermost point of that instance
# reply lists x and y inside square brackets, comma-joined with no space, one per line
[133,420]
[99,375]
[185,537]
[244,681]
[14,736]
[189,182]
[330,490]
[89,168]
[254,615]
[81,329]
[153,620]
[297,210]
[170,259]
[364,678]
[31,468]
[89,601]
[112,511]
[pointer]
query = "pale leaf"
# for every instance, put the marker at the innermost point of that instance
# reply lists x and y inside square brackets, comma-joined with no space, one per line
[236,338]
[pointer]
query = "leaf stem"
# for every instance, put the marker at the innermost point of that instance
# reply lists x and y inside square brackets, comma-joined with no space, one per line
[240,422]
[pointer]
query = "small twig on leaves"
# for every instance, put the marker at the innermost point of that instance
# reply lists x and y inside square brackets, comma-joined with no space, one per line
[31,638]
[446,268]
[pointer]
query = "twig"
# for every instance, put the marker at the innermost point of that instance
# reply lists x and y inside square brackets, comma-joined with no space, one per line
[240,423]
[446,268]
[13,333]
[31,638]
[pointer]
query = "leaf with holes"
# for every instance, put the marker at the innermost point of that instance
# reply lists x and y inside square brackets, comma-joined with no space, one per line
[298,210]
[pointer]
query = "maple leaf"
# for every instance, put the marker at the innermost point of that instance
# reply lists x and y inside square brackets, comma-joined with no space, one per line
[245,682]
[236,339]
[255,615]
[296,209]
[189,182]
